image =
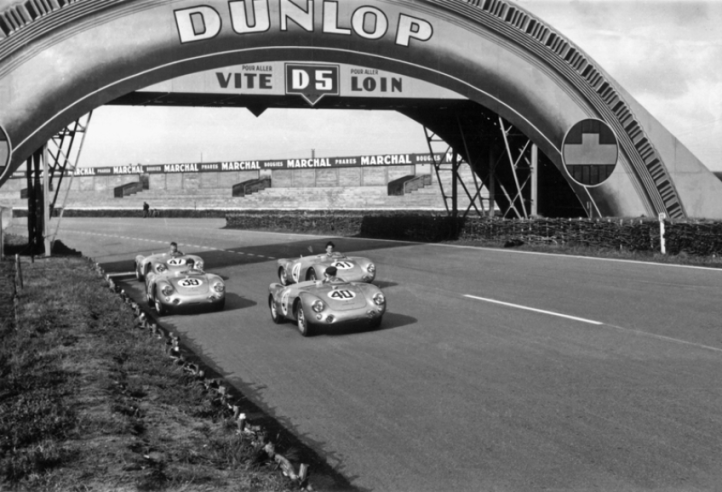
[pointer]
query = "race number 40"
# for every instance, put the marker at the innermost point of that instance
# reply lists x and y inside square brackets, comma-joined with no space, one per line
[312,81]
[341,295]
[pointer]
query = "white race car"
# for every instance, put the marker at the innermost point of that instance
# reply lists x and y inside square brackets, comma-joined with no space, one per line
[185,290]
[161,262]
[351,268]
[317,303]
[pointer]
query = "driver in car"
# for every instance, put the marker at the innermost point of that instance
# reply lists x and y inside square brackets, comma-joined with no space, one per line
[174,250]
[191,264]
[329,276]
[331,250]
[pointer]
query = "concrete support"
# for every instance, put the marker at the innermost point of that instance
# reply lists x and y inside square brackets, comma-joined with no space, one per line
[534,169]
[46,201]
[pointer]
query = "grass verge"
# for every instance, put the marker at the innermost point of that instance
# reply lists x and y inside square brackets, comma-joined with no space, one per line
[88,402]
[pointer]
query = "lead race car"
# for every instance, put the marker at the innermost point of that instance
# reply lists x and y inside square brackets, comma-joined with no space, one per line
[162,262]
[317,303]
[351,268]
[184,290]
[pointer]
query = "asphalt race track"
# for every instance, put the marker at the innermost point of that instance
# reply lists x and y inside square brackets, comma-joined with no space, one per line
[493,370]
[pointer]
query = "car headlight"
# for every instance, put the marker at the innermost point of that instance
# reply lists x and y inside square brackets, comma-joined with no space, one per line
[161,268]
[318,306]
[379,299]
[199,265]
[219,287]
[371,268]
[167,290]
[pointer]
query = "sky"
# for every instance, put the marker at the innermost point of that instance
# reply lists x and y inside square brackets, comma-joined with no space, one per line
[667,54]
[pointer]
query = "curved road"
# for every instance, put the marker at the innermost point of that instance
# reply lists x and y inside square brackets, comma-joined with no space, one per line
[494,369]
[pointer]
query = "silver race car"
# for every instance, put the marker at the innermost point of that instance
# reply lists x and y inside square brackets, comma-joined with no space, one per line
[162,262]
[316,303]
[184,290]
[351,268]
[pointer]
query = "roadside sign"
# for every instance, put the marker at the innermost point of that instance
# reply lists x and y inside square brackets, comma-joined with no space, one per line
[590,151]
[312,81]
[4,148]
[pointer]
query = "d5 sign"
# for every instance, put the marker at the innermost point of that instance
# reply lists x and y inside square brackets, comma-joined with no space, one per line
[311,81]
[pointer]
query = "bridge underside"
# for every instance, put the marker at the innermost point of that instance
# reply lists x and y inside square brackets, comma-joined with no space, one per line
[59,60]
[469,129]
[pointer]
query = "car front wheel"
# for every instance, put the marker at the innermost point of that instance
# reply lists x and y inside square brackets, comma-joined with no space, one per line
[283,276]
[303,325]
[159,307]
[275,315]
[138,275]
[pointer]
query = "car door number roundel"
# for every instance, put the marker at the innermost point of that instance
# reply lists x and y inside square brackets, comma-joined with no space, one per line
[341,295]
[343,265]
[177,262]
[284,301]
[296,271]
[190,282]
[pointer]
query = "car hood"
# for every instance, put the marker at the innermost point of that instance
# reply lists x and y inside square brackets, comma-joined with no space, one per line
[191,284]
[340,297]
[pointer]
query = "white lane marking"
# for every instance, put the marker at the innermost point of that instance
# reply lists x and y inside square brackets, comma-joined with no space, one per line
[619,328]
[527,308]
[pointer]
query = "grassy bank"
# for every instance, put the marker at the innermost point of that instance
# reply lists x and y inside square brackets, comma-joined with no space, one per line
[89,402]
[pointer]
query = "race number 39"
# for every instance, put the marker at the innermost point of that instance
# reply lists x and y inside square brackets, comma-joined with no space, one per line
[190,282]
[312,81]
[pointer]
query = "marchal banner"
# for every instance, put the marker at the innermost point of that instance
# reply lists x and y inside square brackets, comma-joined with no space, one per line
[232,166]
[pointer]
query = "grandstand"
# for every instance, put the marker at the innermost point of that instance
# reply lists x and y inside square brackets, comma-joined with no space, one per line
[395,187]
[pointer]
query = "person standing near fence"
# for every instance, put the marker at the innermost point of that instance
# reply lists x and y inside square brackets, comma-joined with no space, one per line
[146,209]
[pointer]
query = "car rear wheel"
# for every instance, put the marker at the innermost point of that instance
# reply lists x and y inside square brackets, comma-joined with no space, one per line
[303,325]
[283,276]
[275,315]
[311,275]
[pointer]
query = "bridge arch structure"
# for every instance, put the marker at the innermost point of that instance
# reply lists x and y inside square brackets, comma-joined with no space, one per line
[59,59]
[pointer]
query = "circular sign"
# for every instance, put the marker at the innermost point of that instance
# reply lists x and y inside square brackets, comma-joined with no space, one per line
[4,148]
[590,151]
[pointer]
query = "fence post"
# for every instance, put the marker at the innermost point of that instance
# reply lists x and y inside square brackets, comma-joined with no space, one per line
[18,272]
[662,245]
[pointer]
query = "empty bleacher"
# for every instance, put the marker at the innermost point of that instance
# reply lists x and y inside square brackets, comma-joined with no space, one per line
[290,197]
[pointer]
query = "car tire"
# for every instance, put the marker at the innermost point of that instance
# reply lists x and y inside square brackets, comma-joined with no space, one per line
[138,275]
[159,307]
[275,315]
[283,276]
[304,327]
[375,323]
[149,299]
[311,275]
